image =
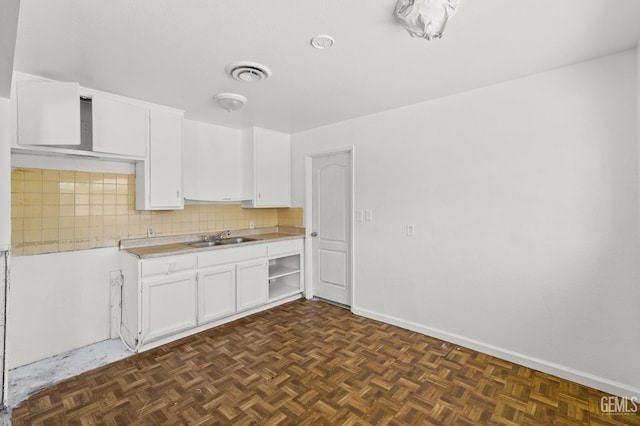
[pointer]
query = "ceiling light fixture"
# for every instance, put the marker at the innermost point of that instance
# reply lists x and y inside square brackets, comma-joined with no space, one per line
[322,42]
[230,101]
[425,18]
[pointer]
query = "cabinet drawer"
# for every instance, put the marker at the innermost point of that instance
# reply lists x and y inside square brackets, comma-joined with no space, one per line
[282,247]
[167,265]
[231,255]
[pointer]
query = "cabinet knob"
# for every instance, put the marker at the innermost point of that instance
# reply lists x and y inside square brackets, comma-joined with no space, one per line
[314,234]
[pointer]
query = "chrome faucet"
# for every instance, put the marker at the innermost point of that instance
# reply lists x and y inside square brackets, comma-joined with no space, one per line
[221,235]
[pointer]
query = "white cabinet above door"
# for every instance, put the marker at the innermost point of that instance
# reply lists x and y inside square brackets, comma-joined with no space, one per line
[48,113]
[119,127]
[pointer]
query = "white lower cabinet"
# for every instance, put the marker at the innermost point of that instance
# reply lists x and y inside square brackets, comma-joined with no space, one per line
[168,306]
[251,285]
[166,298]
[216,293]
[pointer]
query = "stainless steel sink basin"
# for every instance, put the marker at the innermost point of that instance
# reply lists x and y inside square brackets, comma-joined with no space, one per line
[221,242]
[200,244]
[236,240]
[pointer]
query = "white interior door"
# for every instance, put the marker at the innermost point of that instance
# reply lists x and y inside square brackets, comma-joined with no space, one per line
[331,227]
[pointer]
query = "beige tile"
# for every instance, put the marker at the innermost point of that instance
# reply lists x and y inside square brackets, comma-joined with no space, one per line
[110,178]
[122,179]
[17,174]
[67,199]
[50,187]
[67,222]
[50,222]
[50,211]
[17,199]
[82,188]
[32,198]
[33,186]
[32,249]
[122,189]
[81,199]
[110,200]
[51,199]
[66,210]
[96,199]
[50,235]
[122,200]
[81,234]
[82,211]
[122,210]
[109,189]
[96,188]
[82,222]
[82,244]
[67,175]
[31,236]
[109,209]
[17,224]
[96,178]
[17,186]
[66,187]
[33,174]
[66,245]
[17,237]
[96,210]
[51,175]
[32,223]
[50,247]
[83,177]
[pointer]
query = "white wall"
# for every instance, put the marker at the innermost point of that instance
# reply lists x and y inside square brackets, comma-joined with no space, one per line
[58,302]
[524,197]
[5,174]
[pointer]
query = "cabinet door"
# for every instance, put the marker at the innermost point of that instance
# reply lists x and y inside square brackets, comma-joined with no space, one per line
[251,284]
[48,113]
[272,172]
[212,156]
[168,306]
[165,160]
[216,293]
[119,127]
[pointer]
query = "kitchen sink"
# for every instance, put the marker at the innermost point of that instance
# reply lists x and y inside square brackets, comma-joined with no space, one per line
[220,242]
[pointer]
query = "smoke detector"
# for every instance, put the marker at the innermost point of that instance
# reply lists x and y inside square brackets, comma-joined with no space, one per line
[247,72]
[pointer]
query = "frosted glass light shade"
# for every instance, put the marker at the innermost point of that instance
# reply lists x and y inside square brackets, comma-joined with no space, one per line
[425,18]
[230,101]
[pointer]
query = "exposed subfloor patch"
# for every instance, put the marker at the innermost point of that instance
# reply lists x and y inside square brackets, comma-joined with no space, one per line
[31,378]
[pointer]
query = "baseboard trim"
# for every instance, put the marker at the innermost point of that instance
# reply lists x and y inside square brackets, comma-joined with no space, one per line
[564,372]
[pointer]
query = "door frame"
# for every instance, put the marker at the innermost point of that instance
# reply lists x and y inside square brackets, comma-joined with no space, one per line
[308,218]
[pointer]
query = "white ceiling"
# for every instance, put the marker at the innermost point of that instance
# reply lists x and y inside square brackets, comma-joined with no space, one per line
[173,52]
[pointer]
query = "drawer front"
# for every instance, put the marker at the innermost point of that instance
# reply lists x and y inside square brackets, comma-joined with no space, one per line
[168,265]
[282,247]
[231,255]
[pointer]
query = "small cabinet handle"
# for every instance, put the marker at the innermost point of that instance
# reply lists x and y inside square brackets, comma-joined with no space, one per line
[314,234]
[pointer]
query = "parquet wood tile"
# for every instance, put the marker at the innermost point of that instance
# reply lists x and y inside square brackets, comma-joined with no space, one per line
[311,363]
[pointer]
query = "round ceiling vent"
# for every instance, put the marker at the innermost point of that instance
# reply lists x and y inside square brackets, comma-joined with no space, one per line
[248,71]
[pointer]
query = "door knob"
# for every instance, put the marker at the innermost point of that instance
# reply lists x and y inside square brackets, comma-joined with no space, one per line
[314,234]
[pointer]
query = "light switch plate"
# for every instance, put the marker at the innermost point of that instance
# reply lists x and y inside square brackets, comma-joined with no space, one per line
[411,230]
[359,215]
[368,215]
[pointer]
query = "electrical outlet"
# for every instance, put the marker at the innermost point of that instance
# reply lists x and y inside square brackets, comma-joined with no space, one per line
[252,225]
[151,232]
[411,230]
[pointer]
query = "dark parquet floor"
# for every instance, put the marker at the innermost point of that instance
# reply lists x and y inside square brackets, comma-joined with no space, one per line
[311,363]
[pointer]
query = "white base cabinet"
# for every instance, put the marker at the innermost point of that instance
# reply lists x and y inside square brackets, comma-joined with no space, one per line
[170,297]
[216,293]
[250,285]
[168,306]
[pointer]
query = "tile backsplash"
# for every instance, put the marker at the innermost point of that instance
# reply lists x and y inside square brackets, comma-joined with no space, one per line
[53,211]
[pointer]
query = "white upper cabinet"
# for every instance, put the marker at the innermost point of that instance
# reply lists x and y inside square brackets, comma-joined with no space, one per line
[267,170]
[212,162]
[159,177]
[119,127]
[48,113]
